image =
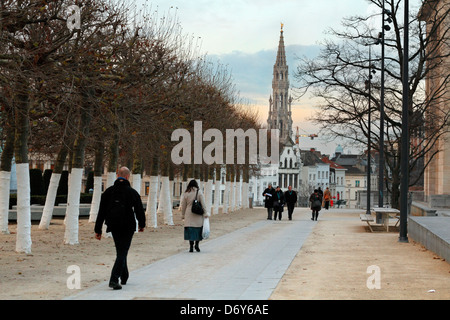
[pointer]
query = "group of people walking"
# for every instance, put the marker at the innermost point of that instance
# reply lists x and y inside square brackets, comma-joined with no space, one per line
[276,199]
[319,199]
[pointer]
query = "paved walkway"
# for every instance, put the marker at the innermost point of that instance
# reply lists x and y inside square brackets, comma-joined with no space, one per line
[246,265]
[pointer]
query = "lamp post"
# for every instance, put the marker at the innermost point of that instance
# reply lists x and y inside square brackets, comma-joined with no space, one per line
[381,154]
[368,84]
[405,134]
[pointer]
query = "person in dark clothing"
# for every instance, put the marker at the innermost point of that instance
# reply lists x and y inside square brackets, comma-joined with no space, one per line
[290,198]
[120,206]
[268,200]
[278,203]
[316,204]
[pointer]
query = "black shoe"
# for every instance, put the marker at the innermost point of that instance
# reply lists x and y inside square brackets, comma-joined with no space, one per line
[197,248]
[115,285]
[191,249]
[123,281]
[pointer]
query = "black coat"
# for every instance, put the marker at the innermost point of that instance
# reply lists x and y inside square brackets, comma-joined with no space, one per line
[290,197]
[278,201]
[133,204]
[268,197]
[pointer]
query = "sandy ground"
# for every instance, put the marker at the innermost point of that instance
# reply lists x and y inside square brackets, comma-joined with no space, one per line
[331,265]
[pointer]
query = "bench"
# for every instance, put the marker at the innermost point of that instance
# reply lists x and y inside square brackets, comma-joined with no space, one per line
[367,218]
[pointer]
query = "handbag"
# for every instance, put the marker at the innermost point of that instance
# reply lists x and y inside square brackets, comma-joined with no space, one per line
[197,206]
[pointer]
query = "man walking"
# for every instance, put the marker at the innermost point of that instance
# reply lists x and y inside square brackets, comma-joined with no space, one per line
[120,206]
[268,200]
[290,197]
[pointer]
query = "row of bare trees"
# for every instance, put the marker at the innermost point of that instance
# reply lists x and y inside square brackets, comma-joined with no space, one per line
[110,90]
[340,74]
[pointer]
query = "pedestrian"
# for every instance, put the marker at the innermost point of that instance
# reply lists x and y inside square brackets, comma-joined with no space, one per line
[319,190]
[268,200]
[193,223]
[278,203]
[327,198]
[316,204]
[120,206]
[290,197]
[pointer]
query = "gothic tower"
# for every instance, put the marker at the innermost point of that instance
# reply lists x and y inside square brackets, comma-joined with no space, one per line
[280,115]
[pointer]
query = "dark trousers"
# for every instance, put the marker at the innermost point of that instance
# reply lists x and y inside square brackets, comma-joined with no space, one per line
[122,241]
[269,213]
[315,214]
[290,210]
[277,212]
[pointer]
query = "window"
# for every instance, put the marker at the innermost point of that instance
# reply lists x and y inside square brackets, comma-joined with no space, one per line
[357,182]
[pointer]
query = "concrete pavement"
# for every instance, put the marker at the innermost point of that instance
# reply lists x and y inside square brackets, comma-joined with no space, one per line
[246,264]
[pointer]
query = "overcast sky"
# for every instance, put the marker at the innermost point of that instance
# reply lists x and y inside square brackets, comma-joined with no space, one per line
[244,36]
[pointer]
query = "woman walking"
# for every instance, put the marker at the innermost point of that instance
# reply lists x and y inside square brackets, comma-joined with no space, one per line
[316,204]
[193,223]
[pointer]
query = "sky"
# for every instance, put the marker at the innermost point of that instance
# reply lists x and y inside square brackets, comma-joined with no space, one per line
[243,35]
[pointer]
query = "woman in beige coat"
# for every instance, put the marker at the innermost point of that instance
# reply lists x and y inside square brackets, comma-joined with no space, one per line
[193,223]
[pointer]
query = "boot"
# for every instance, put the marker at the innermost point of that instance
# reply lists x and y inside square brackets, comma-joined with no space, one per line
[191,246]
[196,246]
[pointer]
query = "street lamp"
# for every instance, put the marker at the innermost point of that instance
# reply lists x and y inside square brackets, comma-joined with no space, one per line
[385,27]
[405,134]
[368,85]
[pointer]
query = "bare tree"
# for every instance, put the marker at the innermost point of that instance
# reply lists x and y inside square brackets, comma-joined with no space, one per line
[339,77]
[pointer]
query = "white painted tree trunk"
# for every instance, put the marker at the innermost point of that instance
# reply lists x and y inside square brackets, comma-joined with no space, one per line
[208,195]
[96,197]
[5,181]
[245,201]
[47,213]
[23,238]
[237,192]
[73,207]
[166,200]
[232,196]
[216,196]
[152,201]
[110,178]
[226,197]
[160,195]
[137,182]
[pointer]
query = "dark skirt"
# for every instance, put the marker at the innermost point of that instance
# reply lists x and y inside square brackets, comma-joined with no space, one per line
[193,233]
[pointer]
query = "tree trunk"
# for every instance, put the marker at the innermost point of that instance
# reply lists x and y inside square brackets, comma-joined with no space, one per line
[152,200]
[5,175]
[208,189]
[98,179]
[23,239]
[54,183]
[245,181]
[217,190]
[226,196]
[76,175]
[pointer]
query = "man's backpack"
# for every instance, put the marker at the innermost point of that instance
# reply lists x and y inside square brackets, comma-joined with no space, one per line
[117,210]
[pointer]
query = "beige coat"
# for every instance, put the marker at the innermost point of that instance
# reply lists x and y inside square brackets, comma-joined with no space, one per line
[192,219]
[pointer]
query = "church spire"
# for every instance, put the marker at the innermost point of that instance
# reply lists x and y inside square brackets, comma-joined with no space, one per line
[280,115]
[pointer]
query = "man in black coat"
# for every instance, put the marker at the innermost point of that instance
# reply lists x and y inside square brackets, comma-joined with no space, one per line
[120,206]
[290,197]
[278,203]
[268,200]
